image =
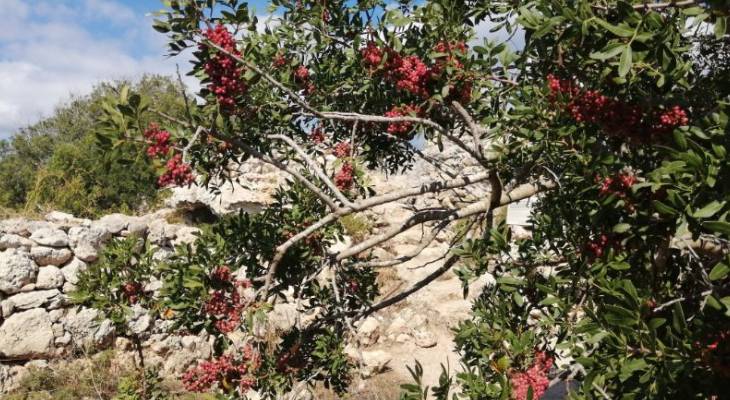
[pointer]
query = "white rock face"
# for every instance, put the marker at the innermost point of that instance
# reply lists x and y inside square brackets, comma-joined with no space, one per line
[50,299]
[86,329]
[71,270]
[50,255]
[49,277]
[13,241]
[369,331]
[85,242]
[140,320]
[425,338]
[374,362]
[51,237]
[27,335]
[114,223]
[17,269]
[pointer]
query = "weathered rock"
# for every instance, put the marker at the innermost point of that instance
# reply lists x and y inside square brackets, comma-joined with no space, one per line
[65,220]
[50,255]
[27,335]
[49,277]
[71,270]
[68,287]
[114,223]
[185,235]
[17,269]
[374,362]
[13,241]
[161,232]
[10,377]
[283,317]
[7,307]
[86,329]
[51,299]
[86,242]
[369,331]
[51,237]
[140,320]
[425,338]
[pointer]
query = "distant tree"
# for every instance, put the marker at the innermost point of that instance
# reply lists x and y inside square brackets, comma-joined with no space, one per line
[57,164]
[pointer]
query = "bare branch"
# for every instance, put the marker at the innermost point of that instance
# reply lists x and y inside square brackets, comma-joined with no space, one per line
[431,187]
[314,166]
[475,129]
[487,204]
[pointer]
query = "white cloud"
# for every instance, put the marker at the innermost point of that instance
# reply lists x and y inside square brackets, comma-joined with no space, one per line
[47,54]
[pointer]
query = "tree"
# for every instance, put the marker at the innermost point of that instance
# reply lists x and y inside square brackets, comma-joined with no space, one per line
[624,282]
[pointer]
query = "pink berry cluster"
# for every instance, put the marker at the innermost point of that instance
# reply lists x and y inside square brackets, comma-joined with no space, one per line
[598,246]
[401,128]
[176,173]
[616,118]
[225,304]
[342,150]
[344,177]
[225,74]
[412,75]
[226,371]
[158,140]
[536,377]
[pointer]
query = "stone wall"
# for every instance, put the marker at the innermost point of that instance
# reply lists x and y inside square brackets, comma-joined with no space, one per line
[39,266]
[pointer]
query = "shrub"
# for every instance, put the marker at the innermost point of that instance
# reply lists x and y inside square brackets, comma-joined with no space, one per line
[624,283]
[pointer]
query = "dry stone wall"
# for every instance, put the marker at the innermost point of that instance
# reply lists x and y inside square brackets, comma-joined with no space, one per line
[39,266]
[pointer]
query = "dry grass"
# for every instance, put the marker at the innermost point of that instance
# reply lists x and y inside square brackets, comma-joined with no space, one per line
[100,376]
[356,227]
[380,387]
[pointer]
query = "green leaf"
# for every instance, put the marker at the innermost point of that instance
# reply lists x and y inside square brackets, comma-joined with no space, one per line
[625,63]
[719,271]
[618,30]
[709,210]
[720,27]
[680,140]
[717,226]
[621,228]
[663,208]
[610,51]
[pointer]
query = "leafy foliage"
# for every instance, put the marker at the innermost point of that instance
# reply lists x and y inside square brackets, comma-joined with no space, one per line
[624,283]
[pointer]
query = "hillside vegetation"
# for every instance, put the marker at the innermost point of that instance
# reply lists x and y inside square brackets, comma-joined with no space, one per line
[56,163]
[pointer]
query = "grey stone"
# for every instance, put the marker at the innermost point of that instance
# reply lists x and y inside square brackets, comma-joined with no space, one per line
[140,320]
[17,269]
[49,277]
[425,338]
[50,256]
[86,327]
[369,331]
[71,271]
[51,298]
[27,335]
[13,241]
[114,223]
[51,237]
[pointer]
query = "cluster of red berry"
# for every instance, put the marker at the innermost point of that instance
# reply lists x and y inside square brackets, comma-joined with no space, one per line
[158,140]
[343,177]
[536,377]
[317,135]
[224,72]
[301,76]
[342,150]
[176,173]
[411,74]
[225,370]
[132,291]
[598,246]
[279,61]
[401,128]
[618,185]
[715,353]
[225,304]
[616,118]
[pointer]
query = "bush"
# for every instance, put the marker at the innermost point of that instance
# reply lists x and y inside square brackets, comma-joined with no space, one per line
[603,115]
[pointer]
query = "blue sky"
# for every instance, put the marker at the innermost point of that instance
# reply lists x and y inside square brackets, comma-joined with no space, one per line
[52,49]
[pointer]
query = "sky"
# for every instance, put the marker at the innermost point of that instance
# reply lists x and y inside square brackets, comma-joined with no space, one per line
[51,49]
